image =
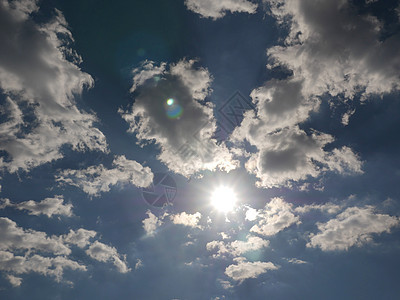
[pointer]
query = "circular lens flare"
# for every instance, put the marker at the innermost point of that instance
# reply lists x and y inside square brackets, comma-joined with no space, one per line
[170,101]
[173,109]
[224,199]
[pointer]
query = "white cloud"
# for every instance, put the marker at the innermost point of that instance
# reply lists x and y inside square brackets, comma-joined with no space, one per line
[331,49]
[39,83]
[184,129]
[237,248]
[275,217]
[296,261]
[15,281]
[22,251]
[353,227]
[49,206]
[251,214]
[218,9]
[346,117]
[290,154]
[48,266]
[329,208]
[13,237]
[105,253]
[151,223]
[97,179]
[191,220]
[335,48]
[139,264]
[244,269]
[225,284]
[81,237]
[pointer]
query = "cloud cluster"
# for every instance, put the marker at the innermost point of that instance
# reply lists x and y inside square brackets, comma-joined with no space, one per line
[331,50]
[353,227]
[97,179]
[39,86]
[25,251]
[170,110]
[218,9]
[49,206]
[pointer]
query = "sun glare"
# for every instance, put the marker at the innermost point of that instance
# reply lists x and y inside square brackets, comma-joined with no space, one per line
[224,199]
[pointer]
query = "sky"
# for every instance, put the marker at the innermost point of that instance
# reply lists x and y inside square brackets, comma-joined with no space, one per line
[199,149]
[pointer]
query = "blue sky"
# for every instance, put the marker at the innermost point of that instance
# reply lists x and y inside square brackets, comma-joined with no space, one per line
[199,149]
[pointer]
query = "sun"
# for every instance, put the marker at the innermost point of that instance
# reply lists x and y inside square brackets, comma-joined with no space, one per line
[224,199]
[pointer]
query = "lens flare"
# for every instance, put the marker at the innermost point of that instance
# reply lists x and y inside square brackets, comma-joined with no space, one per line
[173,109]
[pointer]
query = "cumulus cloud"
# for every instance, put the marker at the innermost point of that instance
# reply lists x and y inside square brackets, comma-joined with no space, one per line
[290,154]
[97,179]
[26,250]
[183,128]
[355,226]
[47,266]
[40,84]
[15,281]
[331,50]
[336,49]
[49,206]
[275,217]
[218,9]
[151,223]
[81,237]
[13,237]
[237,247]
[105,253]
[191,220]
[244,269]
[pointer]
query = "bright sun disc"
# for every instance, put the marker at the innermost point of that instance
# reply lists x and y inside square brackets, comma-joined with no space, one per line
[223,199]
